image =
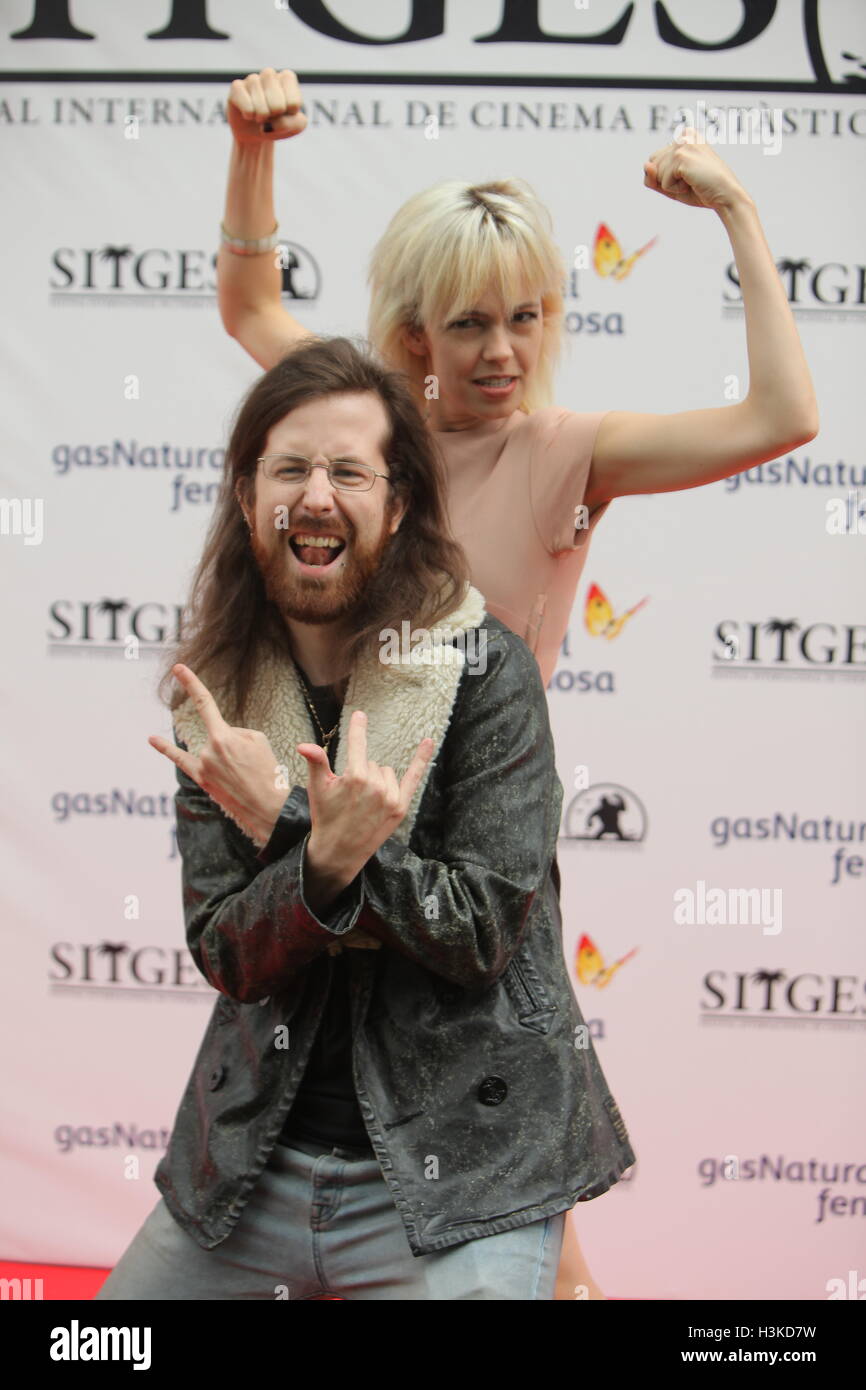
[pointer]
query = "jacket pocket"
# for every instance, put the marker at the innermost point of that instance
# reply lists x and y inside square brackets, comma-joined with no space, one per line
[533,1004]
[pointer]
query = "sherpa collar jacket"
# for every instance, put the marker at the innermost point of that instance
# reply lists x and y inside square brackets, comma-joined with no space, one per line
[482,1095]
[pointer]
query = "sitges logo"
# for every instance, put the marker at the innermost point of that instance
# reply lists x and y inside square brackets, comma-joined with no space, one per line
[775,993]
[811,286]
[111,271]
[113,624]
[787,644]
[661,39]
[79,966]
[124,270]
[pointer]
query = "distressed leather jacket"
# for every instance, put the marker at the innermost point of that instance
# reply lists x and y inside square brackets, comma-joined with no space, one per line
[482,1095]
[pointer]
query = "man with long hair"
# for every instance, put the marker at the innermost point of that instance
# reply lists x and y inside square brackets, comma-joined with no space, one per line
[396,1096]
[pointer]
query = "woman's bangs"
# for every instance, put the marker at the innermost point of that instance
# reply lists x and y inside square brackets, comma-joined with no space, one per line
[512,273]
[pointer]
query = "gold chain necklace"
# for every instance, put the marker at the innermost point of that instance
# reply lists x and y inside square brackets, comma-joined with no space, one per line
[326,738]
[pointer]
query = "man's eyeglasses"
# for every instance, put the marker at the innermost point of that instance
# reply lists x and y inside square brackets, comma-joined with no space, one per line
[343,473]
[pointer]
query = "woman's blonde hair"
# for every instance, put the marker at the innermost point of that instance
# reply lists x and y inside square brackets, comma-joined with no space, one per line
[448,245]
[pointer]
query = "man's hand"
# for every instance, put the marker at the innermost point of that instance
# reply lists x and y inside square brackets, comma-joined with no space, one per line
[265,106]
[236,767]
[354,814]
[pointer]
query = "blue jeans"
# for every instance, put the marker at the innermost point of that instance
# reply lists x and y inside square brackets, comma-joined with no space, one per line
[322,1221]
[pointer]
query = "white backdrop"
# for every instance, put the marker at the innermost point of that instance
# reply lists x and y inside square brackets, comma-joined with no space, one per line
[727,713]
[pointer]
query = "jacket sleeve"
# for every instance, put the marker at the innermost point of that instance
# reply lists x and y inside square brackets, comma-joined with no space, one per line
[248,929]
[291,825]
[463,914]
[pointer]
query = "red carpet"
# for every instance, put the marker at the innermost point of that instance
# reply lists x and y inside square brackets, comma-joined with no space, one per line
[58,1281]
[70,1281]
[62,1282]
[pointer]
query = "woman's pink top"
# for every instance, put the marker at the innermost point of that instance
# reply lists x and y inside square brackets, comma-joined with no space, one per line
[514,485]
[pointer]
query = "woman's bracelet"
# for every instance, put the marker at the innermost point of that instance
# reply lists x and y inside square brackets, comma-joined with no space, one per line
[254,246]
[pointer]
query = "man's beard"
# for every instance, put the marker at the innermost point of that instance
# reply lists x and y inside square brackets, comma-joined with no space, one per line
[308,599]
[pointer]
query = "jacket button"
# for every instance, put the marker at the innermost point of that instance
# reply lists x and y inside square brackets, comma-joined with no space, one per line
[492,1090]
[216,1077]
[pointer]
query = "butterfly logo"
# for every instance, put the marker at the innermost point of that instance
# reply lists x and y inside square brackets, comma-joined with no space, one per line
[598,614]
[607,256]
[590,966]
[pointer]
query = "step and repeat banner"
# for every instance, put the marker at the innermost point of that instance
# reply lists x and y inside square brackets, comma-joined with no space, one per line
[708,705]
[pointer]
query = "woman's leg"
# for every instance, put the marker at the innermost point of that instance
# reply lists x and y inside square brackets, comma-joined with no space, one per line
[573,1278]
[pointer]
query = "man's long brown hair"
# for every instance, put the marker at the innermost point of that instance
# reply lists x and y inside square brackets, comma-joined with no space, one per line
[229,621]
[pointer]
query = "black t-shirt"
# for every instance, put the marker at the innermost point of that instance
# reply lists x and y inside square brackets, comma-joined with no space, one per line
[326,1106]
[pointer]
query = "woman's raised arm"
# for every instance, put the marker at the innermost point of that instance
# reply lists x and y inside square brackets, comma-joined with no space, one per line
[641,453]
[261,108]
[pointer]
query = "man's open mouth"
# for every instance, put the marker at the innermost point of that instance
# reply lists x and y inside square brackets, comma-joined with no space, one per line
[316,550]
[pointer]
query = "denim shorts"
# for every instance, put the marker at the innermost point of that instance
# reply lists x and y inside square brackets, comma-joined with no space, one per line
[321,1222]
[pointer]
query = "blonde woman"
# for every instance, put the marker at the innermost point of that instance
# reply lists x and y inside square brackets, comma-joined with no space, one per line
[467,298]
